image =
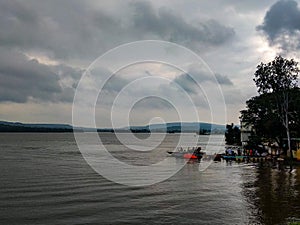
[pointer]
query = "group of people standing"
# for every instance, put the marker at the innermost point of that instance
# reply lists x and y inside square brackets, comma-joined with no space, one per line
[246,152]
[230,152]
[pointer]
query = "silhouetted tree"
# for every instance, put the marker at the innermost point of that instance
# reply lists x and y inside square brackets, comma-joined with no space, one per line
[232,135]
[279,77]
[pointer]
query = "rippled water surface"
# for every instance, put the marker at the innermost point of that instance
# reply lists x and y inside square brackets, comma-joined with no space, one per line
[45,180]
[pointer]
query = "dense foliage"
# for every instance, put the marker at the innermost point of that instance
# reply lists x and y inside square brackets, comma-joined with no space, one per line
[279,75]
[262,115]
[274,114]
[232,135]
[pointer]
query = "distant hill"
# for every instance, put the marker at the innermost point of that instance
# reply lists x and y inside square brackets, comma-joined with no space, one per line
[176,127]
[26,127]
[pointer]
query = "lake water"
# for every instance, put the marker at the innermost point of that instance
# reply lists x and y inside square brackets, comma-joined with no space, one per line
[44,179]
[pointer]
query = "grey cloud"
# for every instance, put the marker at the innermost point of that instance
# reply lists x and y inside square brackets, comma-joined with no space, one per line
[231,92]
[66,30]
[60,29]
[74,30]
[190,85]
[152,102]
[233,96]
[68,81]
[223,80]
[116,84]
[252,5]
[170,26]
[282,25]
[112,87]
[22,79]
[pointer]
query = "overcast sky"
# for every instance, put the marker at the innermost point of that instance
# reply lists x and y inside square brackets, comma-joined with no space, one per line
[45,46]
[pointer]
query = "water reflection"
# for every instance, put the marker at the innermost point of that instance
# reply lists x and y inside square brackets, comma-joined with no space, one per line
[272,194]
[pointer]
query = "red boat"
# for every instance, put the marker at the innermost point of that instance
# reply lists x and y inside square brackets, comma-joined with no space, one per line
[190,156]
[190,153]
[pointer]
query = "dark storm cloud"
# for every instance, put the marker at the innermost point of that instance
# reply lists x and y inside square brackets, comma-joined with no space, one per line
[74,30]
[186,82]
[68,81]
[170,26]
[282,24]
[22,79]
[223,80]
[61,29]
